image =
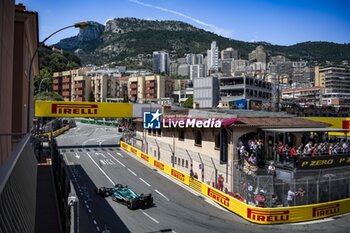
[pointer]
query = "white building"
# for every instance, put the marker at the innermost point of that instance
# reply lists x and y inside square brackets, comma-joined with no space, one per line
[213,58]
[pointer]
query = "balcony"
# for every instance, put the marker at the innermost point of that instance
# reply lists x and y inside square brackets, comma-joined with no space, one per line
[66,80]
[66,94]
[56,88]
[79,85]
[56,81]
[79,92]
[133,86]
[150,91]
[151,84]
[65,87]
[133,92]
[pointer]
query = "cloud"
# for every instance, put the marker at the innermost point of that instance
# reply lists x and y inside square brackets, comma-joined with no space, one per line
[217,30]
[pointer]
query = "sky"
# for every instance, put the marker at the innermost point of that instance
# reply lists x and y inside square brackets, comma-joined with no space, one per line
[282,22]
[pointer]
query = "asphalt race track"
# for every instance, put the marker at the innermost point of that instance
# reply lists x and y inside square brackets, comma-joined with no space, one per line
[94,162]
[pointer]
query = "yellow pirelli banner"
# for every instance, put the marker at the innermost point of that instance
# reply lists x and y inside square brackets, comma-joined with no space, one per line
[248,212]
[336,122]
[82,109]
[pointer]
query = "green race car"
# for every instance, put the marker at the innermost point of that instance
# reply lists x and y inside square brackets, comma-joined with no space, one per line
[125,195]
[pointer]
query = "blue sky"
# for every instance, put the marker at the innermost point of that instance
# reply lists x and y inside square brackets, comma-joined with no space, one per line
[283,22]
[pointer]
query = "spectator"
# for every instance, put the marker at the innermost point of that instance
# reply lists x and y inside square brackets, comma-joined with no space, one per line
[293,155]
[271,169]
[300,195]
[280,149]
[290,197]
[314,151]
[260,199]
[220,182]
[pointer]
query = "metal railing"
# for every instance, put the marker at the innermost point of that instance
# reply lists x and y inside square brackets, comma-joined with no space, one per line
[18,185]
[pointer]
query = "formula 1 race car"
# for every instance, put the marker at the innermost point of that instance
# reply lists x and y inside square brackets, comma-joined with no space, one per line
[125,195]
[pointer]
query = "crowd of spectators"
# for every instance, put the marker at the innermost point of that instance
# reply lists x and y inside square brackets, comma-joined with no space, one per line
[286,153]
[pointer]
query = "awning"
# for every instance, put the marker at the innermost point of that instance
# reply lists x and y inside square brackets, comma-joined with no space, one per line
[302,130]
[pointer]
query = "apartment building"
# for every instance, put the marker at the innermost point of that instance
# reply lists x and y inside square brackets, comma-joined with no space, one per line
[149,88]
[104,84]
[336,83]
[72,85]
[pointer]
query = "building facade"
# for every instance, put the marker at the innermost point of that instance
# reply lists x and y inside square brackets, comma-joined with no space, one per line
[256,91]
[19,38]
[193,59]
[229,53]
[213,58]
[197,71]
[336,83]
[206,92]
[258,55]
[152,88]
[72,85]
[161,62]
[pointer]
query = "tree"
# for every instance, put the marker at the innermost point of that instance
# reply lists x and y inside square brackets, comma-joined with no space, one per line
[188,102]
[44,73]
[48,96]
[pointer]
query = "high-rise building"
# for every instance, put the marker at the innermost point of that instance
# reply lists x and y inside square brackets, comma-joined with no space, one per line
[183,70]
[213,58]
[229,53]
[193,59]
[161,62]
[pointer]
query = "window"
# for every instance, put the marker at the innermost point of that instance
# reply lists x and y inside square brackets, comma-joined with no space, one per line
[183,162]
[217,141]
[186,163]
[198,138]
[181,135]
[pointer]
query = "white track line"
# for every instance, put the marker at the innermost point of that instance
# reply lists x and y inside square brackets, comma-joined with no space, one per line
[97,228]
[95,222]
[101,169]
[132,172]
[162,194]
[145,182]
[120,155]
[116,159]
[153,219]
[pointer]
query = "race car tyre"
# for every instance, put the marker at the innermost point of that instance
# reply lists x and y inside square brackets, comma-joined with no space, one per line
[131,204]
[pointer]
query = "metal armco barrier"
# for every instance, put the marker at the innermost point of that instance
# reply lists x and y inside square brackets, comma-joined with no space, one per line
[250,213]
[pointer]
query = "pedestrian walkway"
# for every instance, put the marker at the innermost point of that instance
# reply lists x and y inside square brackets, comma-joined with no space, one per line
[47,214]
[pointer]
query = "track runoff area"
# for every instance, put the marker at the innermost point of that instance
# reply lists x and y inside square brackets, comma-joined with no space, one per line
[250,213]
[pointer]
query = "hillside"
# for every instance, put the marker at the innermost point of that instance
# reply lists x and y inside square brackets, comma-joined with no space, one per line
[131,41]
[49,63]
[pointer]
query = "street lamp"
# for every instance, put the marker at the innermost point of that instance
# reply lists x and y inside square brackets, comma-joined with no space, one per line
[81,25]
[41,83]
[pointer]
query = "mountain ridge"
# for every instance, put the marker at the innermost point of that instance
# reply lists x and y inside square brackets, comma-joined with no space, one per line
[132,40]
